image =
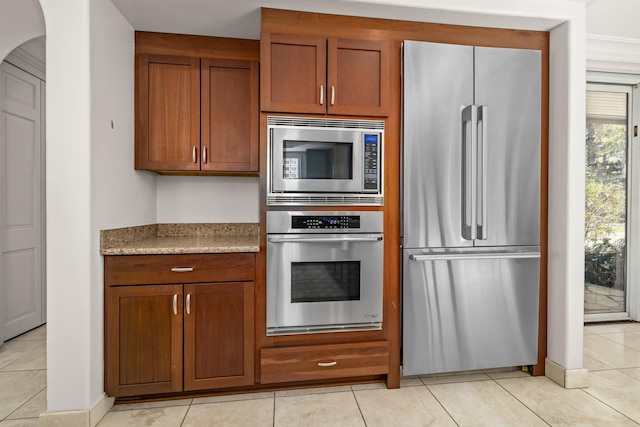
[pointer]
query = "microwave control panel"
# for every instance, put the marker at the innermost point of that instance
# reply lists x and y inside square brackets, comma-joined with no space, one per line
[371,162]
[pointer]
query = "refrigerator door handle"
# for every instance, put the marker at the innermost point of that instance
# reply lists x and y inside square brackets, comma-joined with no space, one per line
[468,256]
[482,173]
[469,174]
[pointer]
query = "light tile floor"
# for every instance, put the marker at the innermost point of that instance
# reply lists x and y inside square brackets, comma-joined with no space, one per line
[490,398]
[23,379]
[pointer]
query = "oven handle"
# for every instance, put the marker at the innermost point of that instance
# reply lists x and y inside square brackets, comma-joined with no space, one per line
[322,240]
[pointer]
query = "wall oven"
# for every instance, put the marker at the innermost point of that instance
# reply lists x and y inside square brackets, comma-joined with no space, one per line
[324,271]
[315,161]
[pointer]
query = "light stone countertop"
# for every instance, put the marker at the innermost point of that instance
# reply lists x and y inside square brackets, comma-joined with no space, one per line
[163,239]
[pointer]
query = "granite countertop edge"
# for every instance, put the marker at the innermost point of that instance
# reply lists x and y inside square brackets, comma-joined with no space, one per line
[175,239]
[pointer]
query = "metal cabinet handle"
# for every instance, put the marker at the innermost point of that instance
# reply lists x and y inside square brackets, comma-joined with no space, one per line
[182,269]
[175,304]
[327,364]
[194,153]
[204,154]
[189,303]
[321,94]
[333,95]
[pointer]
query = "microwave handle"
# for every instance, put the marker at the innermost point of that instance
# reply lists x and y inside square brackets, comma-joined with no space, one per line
[323,239]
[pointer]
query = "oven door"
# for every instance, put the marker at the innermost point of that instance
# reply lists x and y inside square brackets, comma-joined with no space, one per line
[316,160]
[322,283]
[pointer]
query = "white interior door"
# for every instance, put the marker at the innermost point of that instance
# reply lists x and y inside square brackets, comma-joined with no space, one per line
[21,237]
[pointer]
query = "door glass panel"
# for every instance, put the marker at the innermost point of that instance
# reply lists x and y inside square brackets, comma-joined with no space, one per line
[325,281]
[606,201]
[317,160]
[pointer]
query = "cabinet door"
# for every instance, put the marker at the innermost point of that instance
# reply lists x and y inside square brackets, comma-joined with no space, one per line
[229,115]
[358,77]
[218,335]
[143,340]
[293,73]
[167,113]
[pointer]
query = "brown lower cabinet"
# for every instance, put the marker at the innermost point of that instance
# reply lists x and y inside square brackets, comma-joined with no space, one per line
[165,338]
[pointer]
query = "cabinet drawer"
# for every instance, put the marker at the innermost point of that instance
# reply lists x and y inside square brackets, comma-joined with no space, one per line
[191,268]
[287,364]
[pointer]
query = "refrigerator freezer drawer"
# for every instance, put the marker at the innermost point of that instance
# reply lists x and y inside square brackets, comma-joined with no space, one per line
[469,312]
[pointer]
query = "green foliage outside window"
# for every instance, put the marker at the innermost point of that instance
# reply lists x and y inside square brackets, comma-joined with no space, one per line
[605,198]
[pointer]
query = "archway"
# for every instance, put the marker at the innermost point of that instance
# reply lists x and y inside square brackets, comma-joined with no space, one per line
[22,31]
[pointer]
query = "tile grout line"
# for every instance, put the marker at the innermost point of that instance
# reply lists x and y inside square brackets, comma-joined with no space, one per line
[522,403]
[3,368]
[24,403]
[273,417]
[358,405]
[607,405]
[185,414]
[440,403]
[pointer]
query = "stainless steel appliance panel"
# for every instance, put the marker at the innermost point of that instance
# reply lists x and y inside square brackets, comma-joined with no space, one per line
[470,309]
[508,91]
[438,85]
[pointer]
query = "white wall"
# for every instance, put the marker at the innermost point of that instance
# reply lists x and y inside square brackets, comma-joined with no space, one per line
[90,184]
[69,278]
[207,199]
[120,196]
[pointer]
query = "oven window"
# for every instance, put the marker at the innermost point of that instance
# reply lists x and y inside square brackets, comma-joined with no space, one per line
[325,281]
[317,160]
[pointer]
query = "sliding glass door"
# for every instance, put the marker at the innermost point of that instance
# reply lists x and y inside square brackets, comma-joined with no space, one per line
[607,170]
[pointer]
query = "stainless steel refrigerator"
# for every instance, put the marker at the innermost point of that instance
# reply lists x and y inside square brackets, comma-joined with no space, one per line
[471,207]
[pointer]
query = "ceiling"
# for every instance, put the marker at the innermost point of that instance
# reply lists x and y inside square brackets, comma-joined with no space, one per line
[241,18]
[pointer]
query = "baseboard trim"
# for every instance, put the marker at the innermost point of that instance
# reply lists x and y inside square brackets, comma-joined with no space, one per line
[79,418]
[100,409]
[567,378]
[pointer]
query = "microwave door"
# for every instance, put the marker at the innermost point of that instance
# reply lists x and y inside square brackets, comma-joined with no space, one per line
[310,160]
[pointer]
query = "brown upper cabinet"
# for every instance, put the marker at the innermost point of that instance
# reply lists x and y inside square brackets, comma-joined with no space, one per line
[318,75]
[196,114]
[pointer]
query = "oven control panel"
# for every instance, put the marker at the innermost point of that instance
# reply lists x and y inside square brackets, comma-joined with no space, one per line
[325,222]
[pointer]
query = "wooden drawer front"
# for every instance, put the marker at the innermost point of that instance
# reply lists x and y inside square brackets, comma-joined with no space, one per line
[157,269]
[287,364]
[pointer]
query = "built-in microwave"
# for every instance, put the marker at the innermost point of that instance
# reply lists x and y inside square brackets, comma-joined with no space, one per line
[317,161]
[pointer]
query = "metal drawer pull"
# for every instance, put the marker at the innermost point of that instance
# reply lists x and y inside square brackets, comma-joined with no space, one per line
[182,269]
[321,94]
[204,154]
[333,95]
[327,364]
[194,157]
[175,304]
[189,303]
